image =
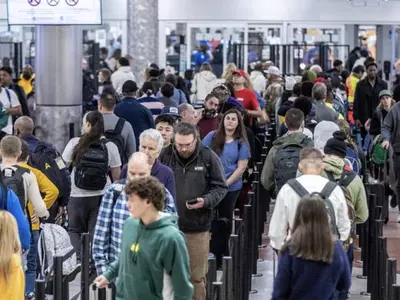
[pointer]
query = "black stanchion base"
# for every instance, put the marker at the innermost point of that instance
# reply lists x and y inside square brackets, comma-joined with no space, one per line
[252,292]
[365,294]
[260,260]
[362,277]
[257,275]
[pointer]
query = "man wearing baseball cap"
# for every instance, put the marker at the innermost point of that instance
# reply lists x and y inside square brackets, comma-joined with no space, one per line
[274,75]
[245,95]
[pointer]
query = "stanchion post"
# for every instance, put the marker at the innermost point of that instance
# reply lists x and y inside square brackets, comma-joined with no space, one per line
[40,289]
[235,254]
[396,292]
[217,288]
[58,278]
[247,255]
[211,277]
[85,259]
[391,277]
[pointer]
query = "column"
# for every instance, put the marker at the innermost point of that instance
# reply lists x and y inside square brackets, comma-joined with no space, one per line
[58,83]
[351,36]
[384,46]
[142,35]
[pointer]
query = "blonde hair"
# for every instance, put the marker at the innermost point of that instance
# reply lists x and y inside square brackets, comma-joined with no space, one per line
[247,82]
[345,128]
[9,242]
[228,72]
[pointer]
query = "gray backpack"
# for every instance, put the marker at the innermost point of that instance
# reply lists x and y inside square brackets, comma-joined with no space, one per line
[54,240]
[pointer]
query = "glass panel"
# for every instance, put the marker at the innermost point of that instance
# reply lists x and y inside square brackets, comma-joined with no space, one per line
[175,51]
[367,39]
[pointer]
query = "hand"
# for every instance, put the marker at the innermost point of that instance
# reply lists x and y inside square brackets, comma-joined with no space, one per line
[59,215]
[358,124]
[101,282]
[367,124]
[199,204]
[34,219]
[385,144]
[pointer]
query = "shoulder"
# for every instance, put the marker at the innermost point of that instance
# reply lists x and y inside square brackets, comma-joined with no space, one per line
[131,223]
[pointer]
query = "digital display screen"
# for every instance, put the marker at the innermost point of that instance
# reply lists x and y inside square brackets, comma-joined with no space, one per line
[54,12]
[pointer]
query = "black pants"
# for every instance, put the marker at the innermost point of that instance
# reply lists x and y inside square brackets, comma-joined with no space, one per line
[396,161]
[82,214]
[225,210]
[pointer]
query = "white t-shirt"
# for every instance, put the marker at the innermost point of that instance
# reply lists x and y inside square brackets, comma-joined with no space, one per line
[8,103]
[114,161]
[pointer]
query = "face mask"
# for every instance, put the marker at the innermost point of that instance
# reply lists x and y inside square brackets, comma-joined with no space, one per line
[209,113]
[26,75]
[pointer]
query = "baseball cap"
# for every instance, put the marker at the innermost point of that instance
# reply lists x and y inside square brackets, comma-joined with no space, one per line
[274,70]
[385,93]
[240,72]
[129,87]
[170,110]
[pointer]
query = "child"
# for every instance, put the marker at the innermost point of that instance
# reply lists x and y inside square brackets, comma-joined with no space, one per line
[312,265]
[12,281]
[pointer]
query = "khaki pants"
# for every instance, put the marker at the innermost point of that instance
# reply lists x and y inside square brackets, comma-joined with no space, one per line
[198,245]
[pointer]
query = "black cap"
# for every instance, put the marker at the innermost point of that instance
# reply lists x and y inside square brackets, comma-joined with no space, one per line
[129,87]
[336,145]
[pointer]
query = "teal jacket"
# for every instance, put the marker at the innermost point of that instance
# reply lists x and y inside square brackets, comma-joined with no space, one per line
[154,262]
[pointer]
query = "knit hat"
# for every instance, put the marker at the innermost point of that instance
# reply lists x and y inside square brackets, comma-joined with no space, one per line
[336,145]
[385,93]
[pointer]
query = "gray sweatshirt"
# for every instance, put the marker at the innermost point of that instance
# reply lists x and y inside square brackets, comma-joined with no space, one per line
[390,129]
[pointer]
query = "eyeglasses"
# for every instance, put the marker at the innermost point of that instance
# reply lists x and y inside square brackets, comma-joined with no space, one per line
[184,146]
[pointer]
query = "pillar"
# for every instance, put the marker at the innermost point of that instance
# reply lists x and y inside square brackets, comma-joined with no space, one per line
[385,49]
[351,36]
[58,83]
[142,35]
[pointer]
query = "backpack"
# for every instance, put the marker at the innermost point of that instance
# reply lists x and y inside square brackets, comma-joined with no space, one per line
[286,162]
[3,111]
[13,179]
[49,161]
[379,155]
[91,171]
[345,179]
[324,194]
[114,135]
[55,241]
[353,159]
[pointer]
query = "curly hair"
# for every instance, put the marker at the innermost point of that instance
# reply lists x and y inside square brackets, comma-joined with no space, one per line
[147,188]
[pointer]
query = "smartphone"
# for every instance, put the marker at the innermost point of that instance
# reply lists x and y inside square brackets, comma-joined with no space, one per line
[191,202]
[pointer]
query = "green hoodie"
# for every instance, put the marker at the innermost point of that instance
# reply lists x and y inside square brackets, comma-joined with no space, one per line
[154,259]
[268,172]
[356,187]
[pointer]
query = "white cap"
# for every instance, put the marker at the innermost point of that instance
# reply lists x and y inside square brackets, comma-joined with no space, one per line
[274,70]
[289,83]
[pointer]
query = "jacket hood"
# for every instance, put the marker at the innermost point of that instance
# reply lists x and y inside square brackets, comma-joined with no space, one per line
[125,69]
[292,138]
[334,165]
[323,132]
[256,74]
[208,75]
[165,220]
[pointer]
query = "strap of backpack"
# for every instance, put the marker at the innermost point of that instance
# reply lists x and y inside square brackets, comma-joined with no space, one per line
[347,177]
[8,94]
[120,126]
[328,189]
[298,188]
[330,175]
[117,193]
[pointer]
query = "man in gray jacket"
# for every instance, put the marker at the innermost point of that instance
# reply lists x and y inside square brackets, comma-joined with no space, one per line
[200,186]
[323,112]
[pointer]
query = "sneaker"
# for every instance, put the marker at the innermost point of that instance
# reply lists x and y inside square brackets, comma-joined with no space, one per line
[393,201]
[398,218]
[30,296]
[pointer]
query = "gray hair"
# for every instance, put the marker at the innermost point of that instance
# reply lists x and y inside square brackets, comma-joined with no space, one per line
[154,135]
[319,91]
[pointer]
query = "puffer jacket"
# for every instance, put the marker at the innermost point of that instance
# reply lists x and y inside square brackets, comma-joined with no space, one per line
[203,84]
[356,189]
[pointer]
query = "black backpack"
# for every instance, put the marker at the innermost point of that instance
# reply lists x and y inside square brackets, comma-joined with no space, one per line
[324,194]
[49,161]
[13,179]
[91,171]
[286,162]
[114,135]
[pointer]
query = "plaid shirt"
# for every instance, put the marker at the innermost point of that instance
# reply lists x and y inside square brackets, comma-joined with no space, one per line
[110,223]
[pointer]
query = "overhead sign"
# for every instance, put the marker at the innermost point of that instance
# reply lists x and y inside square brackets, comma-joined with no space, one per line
[54,12]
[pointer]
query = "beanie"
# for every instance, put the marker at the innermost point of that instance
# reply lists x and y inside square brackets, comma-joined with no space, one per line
[336,145]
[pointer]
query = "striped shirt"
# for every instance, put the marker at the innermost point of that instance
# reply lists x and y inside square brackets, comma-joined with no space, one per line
[153,104]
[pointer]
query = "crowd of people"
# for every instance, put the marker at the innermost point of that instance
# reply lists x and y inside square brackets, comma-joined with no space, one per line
[157,164]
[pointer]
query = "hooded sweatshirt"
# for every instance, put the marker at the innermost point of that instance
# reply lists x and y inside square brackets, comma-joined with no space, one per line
[203,84]
[154,262]
[323,132]
[258,81]
[119,77]
[268,172]
[356,189]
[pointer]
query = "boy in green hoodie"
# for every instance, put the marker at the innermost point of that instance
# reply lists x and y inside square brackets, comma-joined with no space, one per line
[154,261]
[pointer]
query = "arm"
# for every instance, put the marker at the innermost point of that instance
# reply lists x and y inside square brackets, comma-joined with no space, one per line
[15,105]
[267,174]
[357,102]
[130,145]
[193,89]
[388,126]
[375,125]
[102,232]
[344,282]
[176,264]
[114,161]
[14,208]
[342,217]
[112,271]
[241,167]
[115,173]
[169,203]
[361,206]
[33,195]
[170,184]
[282,284]
[47,188]
[217,184]
[150,120]
[279,221]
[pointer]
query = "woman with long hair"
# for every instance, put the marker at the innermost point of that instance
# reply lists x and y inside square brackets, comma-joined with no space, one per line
[12,280]
[230,143]
[147,97]
[104,79]
[312,263]
[92,158]
[228,72]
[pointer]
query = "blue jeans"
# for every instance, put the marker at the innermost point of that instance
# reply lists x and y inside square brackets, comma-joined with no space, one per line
[30,273]
[342,295]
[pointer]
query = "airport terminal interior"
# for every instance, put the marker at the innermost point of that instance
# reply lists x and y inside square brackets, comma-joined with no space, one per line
[205,150]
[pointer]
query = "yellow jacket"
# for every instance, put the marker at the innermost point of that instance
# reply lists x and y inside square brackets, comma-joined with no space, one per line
[14,288]
[46,188]
[351,83]
[330,105]
[26,84]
